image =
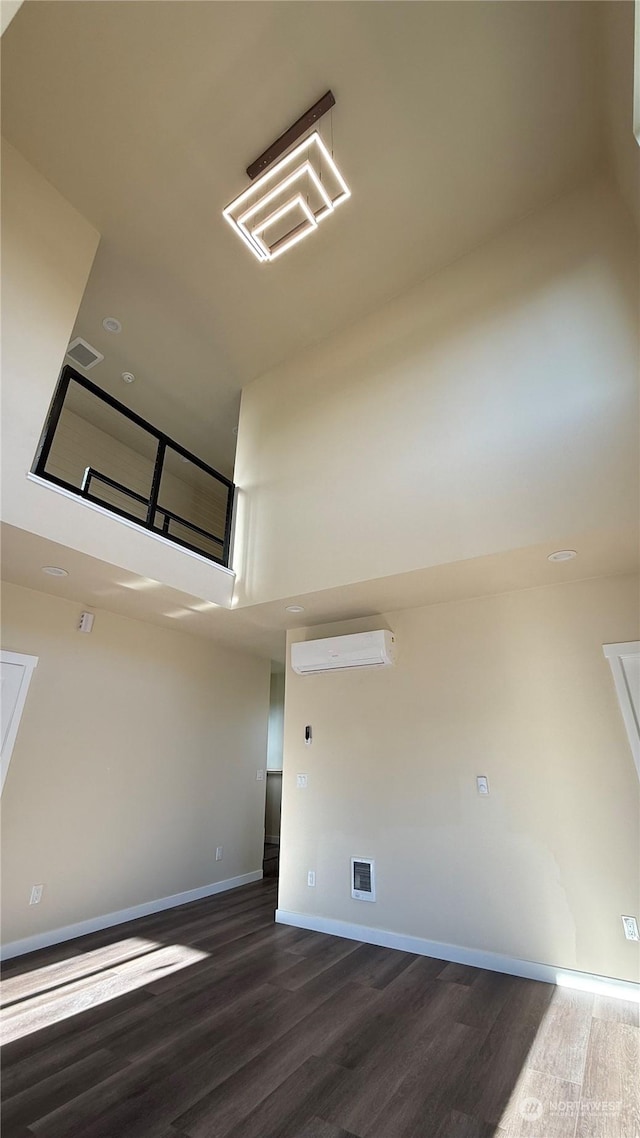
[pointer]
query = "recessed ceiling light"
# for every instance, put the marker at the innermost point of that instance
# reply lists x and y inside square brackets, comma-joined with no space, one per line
[128,377]
[54,571]
[294,608]
[562,555]
[110,324]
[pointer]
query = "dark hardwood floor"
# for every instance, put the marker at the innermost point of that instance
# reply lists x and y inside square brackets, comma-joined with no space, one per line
[211,1021]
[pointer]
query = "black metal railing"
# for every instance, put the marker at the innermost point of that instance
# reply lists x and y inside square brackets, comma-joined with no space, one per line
[95,447]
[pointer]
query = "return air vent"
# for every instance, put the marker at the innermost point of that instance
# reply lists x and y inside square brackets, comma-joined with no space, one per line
[363,882]
[82,353]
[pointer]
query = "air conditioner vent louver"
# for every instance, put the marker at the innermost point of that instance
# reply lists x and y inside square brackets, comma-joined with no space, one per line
[363,885]
[83,354]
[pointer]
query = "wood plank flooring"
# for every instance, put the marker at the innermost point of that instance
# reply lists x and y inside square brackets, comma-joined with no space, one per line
[211,1021]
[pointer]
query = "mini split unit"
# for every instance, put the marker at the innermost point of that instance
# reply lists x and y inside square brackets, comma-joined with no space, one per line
[334,653]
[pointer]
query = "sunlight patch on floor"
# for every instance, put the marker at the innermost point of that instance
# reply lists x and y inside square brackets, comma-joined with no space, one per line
[37,999]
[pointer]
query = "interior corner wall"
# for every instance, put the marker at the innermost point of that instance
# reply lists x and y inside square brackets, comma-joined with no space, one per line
[515,687]
[47,253]
[491,408]
[136,757]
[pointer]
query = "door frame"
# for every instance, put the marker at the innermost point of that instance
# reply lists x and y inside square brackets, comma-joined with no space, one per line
[615,654]
[28,664]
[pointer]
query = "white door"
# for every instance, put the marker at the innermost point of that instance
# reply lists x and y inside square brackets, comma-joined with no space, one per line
[16,670]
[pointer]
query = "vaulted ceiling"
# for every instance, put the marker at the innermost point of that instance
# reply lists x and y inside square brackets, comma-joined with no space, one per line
[452,120]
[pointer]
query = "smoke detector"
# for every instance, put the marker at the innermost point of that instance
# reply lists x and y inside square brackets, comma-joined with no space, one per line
[110,324]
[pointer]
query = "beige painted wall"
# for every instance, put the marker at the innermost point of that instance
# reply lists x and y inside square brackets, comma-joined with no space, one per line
[515,687]
[494,407]
[47,252]
[8,9]
[136,757]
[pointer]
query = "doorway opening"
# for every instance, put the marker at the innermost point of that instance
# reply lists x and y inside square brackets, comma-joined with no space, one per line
[273,796]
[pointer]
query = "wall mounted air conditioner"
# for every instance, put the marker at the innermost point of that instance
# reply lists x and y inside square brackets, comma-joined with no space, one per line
[361,650]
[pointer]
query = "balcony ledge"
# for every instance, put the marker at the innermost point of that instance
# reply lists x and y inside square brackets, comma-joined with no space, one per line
[178,567]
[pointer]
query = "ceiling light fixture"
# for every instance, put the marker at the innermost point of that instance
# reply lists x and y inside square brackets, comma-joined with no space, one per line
[286,202]
[294,608]
[562,555]
[110,324]
[54,571]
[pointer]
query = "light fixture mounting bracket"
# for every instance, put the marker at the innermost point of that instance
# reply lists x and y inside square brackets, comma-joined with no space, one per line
[291,135]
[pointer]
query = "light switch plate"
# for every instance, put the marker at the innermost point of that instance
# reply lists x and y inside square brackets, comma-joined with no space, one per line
[482,783]
[259,776]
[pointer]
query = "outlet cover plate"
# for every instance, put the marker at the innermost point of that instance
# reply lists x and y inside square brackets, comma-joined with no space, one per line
[630,926]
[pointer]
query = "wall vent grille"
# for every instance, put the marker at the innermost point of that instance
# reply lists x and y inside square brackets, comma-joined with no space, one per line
[363,881]
[82,353]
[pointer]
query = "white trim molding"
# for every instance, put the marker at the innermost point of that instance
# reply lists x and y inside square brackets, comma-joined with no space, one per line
[619,657]
[476,957]
[122,916]
[27,664]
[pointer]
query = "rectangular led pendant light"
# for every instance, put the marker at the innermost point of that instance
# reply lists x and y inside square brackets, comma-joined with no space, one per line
[286,203]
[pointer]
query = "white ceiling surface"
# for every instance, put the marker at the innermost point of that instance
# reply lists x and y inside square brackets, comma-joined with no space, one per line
[98,585]
[452,120]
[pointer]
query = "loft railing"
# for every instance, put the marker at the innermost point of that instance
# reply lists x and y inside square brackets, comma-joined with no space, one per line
[95,447]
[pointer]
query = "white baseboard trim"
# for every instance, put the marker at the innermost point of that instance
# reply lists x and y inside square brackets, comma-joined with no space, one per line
[478,958]
[95,924]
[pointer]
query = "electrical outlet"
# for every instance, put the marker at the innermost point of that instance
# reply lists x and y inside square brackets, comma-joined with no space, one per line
[218,853]
[301,781]
[630,926]
[311,878]
[259,776]
[36,894]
